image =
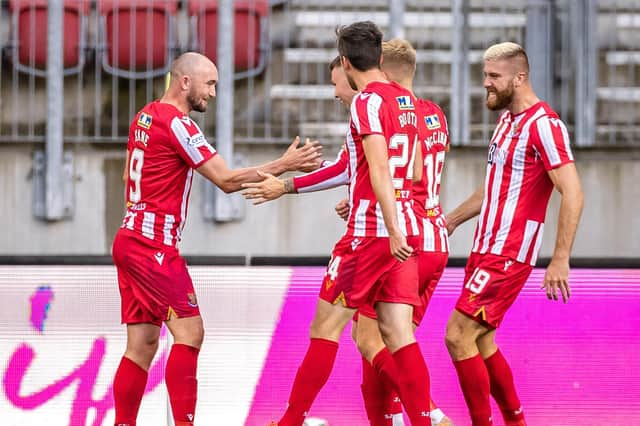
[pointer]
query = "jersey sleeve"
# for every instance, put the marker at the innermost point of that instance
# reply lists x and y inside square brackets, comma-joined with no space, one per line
[366,114]
[189,141]
[333,174]
[550,139]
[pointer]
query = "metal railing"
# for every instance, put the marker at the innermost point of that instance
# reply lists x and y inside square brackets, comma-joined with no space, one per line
[585,61]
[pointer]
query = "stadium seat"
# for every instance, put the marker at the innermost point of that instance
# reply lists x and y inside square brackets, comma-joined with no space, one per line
[137,37]
[251,42]
[28,39]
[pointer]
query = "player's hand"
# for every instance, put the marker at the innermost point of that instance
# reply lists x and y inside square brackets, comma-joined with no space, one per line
[450,227]
[399,247]
[260,192]
[304,159]
[557,278]
[342,209]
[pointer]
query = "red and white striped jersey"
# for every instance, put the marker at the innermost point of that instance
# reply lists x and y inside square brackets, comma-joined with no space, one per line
[330,175]
[164,147]
[385,109]
[433,134]
[517,187]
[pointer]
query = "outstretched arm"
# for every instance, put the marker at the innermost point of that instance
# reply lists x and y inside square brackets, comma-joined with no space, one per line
[466,210]
[332,175]
[567,182]
[230,180]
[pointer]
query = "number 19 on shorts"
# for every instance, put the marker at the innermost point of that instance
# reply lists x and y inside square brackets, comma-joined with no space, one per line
[478,281]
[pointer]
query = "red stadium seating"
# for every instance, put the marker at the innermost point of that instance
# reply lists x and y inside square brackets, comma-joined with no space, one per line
[137,37]
[29,35]
[250,38]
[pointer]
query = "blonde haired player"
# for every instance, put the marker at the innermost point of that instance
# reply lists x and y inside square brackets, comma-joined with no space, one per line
[529,156]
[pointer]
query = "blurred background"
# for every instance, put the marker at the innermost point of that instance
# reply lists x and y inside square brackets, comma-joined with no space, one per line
[74,73]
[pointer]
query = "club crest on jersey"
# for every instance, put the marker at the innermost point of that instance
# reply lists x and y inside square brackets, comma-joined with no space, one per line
[405,103]
[193,301]
[432,121]
[144,120]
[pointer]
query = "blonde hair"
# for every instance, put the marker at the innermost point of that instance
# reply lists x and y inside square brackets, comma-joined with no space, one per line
[506,51]
[399,55]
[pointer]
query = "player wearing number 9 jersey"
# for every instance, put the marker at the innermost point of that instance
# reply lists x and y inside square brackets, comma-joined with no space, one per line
[529,155]
[164,148]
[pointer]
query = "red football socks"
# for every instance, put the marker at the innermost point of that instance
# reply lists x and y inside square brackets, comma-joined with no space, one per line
[311,377]
[373,394]
[182,385]
[503,390]
[474,381]
[387,370]
[128,389]
[413,383]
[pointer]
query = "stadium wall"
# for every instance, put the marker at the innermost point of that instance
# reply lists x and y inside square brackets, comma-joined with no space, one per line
[302,225]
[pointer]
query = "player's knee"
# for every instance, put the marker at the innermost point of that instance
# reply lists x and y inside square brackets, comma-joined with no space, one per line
[367,347]
[396,335]
[196,335]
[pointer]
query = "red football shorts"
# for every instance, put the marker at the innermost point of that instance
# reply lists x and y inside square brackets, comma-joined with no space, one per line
[430,268]
[491,285]
[154,282]
[359,266]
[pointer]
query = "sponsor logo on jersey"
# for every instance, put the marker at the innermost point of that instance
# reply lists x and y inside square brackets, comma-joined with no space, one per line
[497,155]
[136,206]
[144,120]
[196,140]
[432,121]
[405,102]
[193,301]
[364,96]
[141,136]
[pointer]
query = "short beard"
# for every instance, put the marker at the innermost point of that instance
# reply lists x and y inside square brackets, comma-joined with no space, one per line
[503,99]
[194,104]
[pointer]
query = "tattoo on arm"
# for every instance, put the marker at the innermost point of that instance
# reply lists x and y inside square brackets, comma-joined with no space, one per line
[288,186]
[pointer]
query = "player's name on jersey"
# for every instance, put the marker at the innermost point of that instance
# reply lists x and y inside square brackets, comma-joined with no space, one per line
[408,118]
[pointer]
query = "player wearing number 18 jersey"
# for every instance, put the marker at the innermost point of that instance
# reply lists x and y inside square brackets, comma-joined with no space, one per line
[164,148]
[529,154]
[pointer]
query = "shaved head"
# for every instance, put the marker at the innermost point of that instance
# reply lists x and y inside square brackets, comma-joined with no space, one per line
[193,80]
[188,63]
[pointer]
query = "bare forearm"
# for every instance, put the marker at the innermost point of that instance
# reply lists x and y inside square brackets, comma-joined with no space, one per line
[468,209]
[568,218]
[237,177]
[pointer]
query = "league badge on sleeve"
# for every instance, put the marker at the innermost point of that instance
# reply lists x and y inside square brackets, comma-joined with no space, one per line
[144,120]
[432,121]
[405,103]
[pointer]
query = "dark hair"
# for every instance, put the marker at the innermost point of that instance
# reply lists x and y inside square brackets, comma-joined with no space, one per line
[361,43]
[336,63]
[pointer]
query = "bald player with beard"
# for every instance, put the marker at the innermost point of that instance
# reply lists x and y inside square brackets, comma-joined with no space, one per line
[165,146]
